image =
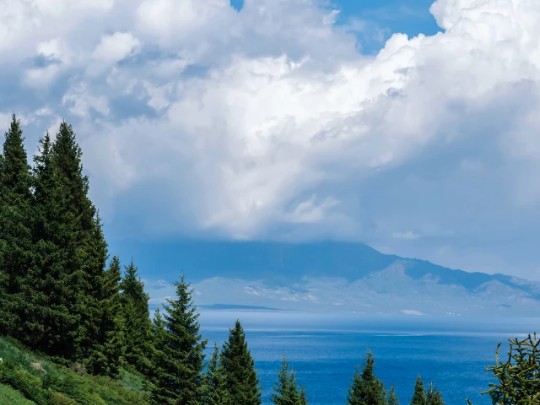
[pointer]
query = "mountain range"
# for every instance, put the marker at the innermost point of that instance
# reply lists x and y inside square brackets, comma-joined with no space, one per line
[333,276]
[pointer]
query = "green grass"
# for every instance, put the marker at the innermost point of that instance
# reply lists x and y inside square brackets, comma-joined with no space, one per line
[44,382]
[10,396]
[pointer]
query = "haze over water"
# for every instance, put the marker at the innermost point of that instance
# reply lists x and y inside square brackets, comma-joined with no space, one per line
[324,350]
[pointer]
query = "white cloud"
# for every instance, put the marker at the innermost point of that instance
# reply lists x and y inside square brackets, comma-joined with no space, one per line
[269,123]
[115,47]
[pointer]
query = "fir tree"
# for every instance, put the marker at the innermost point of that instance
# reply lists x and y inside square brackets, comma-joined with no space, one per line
[419,395]
[70,251]
[366,389]
[136,321]
[518,376]
[15,231]
[180,360]
[214,389]
[108,348]
[433,396]
[392,397]
[286,390]
[241,380]
[159,395]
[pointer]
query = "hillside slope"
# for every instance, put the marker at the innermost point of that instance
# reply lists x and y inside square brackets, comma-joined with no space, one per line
[27,378]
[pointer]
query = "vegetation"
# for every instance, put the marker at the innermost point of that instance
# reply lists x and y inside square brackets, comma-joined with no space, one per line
[178,358]
[90,322]
[241,381]
[518,378]
[42,381]
[286,391]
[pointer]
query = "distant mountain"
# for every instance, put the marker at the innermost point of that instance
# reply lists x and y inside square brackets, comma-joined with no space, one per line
[328,276]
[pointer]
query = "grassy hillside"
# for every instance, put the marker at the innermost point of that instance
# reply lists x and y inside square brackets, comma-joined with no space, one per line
[27,378]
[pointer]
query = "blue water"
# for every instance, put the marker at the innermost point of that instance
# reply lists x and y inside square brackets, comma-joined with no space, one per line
[453,355]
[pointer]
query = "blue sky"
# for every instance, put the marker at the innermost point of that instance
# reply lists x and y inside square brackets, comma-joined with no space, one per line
[407,125]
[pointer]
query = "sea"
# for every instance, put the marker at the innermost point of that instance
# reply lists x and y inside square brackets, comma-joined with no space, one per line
[452,352]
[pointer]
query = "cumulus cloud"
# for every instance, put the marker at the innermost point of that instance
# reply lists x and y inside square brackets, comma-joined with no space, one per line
[198,120]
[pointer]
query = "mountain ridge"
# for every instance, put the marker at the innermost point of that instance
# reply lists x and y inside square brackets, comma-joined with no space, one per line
[341,275]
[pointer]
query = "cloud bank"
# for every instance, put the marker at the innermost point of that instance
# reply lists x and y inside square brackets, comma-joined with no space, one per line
[199,120]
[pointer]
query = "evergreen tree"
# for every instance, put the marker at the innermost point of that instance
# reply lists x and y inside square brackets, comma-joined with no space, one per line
[518,376]
[70,251]
[156,374]
[241,380]
[214,389]
[286,390]
[433,396]
[136,321]
[15,231]
[180,360]
[44,301]
[108,348]
[367,389]
[392,397]
[419,395]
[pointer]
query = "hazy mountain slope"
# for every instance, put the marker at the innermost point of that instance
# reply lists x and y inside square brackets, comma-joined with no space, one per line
[327,276]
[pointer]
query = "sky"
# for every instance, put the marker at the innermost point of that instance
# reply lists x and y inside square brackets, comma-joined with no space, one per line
[409,125]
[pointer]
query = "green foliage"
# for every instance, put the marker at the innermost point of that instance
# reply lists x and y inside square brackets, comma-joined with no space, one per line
[419,394]
[137,327]
[286,390]
[518,377]
[392,397]
[241,380]
[433,396]
[69,254]
[214,390]
[45,382]
[8,395]
[179,360]
[108,342]
[366,388]
[15,231]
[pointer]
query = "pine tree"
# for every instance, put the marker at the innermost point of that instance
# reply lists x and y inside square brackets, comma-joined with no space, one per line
[15,231]
[70,251]
[44,308]
[286,390]
[180,360]
[518,376]
[159,395]
[239,369]
[419,395]
[107,352]
[136,321]
[366,389]
[433,396]
[214,389]
[392,397]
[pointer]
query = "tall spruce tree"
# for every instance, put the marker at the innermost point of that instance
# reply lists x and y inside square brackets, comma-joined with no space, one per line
[70,251]
[286,390]
[180,360]
[366,388]
[159,395]
[108,347]
[241,380]
[214,390]
[44,301]
[136,321]
[419,395]
[15,231]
